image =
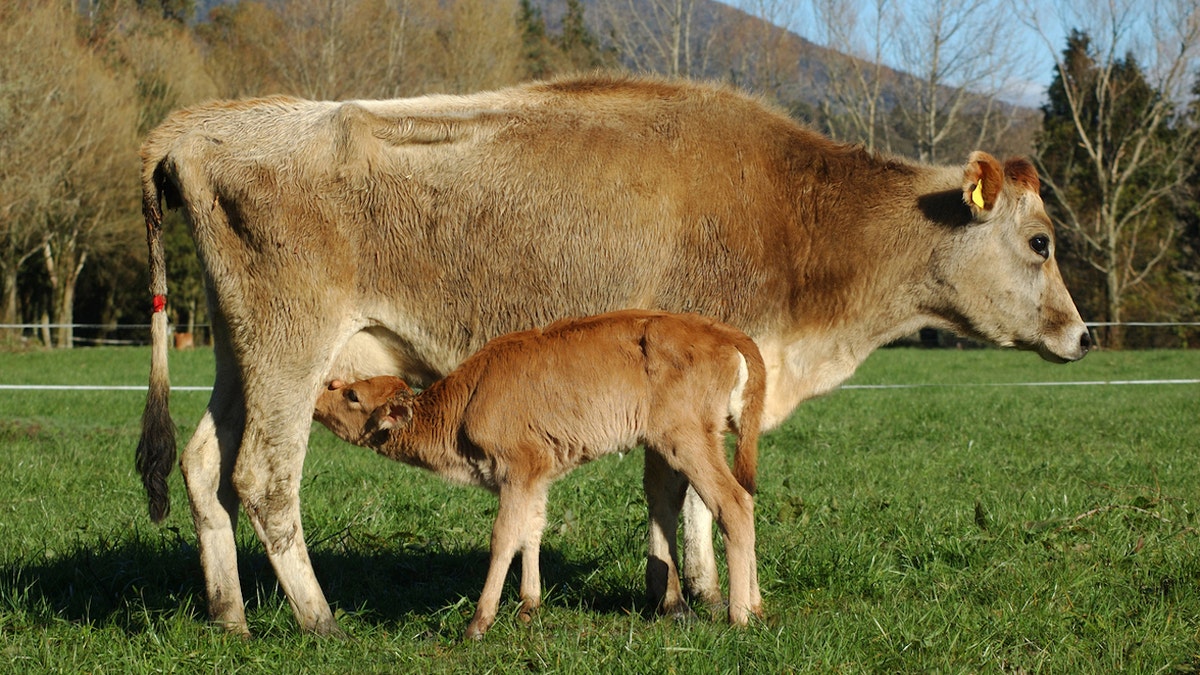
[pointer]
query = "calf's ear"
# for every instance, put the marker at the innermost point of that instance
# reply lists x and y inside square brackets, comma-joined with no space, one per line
[983,176]
[395,414]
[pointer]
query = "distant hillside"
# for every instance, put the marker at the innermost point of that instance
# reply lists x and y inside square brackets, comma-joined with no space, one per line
[806,90]
[719,33]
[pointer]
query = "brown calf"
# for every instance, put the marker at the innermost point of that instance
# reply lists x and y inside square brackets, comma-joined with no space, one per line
[531,406]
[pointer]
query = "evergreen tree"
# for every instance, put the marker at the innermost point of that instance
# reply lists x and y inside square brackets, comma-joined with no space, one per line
[535,45]
[1114,156]
[578,44]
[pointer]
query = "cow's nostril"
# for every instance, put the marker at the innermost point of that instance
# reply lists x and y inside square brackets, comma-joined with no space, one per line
[1085,340]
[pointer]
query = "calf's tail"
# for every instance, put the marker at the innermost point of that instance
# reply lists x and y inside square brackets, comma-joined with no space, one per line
[745,458]
[156,449]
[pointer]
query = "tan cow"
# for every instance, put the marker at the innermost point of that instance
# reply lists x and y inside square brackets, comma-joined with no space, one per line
[346,240]
[533,405]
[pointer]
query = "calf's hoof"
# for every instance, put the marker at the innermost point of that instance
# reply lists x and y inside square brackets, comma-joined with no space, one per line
[525,614]
[477,628]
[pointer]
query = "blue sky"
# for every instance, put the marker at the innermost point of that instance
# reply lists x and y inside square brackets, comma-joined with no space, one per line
[1037,61]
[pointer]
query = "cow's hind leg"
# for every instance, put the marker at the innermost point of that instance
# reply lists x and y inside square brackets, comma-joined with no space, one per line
[699,557]
[664,488]
[281,375]
[207,466]
[267,478]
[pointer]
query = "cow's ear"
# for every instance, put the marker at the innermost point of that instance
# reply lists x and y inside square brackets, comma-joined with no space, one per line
[982,179]
[1022,173]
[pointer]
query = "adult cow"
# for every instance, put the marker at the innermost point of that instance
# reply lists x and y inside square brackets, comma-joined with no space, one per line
[346,240]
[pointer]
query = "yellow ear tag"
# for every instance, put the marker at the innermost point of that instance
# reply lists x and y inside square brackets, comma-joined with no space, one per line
[977,195]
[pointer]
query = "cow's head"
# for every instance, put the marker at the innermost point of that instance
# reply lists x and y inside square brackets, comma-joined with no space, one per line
[996,277]
[346,409]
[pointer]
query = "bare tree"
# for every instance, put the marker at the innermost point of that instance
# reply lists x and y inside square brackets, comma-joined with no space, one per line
[756,47]
[1124,111]
[334,49]
[479,45]
[27,39]
[854,108]
[962,61]
[67,137]
[657,35]
[338,49]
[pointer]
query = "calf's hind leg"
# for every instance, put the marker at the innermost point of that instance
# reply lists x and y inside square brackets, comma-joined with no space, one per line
[704,465]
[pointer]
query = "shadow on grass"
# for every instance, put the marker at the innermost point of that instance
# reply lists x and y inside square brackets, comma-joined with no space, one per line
[130,582]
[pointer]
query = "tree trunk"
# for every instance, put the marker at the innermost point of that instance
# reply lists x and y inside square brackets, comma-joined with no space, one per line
[8,307]
[66,315]
[63,275]
[1112,293]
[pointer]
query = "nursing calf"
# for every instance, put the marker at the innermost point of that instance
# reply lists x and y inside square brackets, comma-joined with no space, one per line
[531,406]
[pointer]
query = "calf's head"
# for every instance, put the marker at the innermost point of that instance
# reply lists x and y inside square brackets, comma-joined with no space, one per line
[346,409]
[995,277]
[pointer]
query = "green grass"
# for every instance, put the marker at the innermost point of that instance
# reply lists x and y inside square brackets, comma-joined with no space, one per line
[933,529]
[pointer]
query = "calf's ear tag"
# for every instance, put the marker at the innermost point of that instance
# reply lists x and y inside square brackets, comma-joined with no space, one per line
[977,194]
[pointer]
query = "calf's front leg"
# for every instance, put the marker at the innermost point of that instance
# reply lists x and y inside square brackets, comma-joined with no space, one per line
[519,510]
[664,489]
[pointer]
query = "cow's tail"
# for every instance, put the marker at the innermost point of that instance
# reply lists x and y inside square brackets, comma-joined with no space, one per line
[749,423]
[156,449]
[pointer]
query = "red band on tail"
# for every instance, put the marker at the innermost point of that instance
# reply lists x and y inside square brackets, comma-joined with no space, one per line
[159,303]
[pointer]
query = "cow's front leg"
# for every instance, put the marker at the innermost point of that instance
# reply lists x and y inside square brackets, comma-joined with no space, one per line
[699,558]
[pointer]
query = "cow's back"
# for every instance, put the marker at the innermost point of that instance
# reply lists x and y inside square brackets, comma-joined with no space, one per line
[475,216]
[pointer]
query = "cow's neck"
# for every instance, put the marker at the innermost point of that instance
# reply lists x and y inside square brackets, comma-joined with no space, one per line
[864,284]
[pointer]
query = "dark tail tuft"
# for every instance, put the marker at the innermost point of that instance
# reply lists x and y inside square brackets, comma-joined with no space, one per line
[156,451]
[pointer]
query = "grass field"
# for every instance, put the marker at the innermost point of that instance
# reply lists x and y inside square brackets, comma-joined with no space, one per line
[949,528]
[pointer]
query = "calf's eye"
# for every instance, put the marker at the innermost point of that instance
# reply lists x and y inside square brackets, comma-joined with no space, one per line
[352,395]
[1040,245]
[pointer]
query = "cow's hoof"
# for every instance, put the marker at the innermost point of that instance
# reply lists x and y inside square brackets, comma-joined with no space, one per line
[676,611]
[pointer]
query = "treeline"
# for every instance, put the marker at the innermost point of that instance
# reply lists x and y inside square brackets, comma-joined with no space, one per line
[82,82]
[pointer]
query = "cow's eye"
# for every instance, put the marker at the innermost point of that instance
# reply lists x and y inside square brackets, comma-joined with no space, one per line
[352,395]
[1040,245]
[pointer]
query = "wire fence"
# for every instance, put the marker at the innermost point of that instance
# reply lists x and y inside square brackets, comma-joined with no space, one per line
[868,387]
[94,334]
